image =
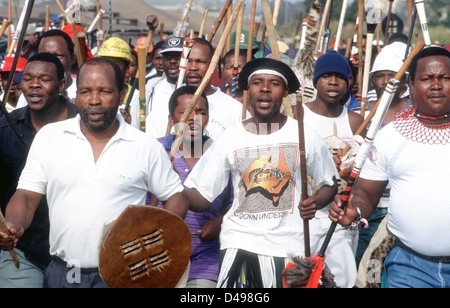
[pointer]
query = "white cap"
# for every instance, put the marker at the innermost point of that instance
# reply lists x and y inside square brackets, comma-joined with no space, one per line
[390,58]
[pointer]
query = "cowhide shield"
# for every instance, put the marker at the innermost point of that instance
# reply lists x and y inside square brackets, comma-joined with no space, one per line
[145,247]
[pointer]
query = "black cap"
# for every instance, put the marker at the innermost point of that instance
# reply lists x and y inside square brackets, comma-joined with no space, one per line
[269,64]
[174,43]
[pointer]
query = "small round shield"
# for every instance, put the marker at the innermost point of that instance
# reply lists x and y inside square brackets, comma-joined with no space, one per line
[145,247]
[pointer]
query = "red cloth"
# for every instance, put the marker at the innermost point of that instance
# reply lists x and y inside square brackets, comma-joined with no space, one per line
[68,29]
[313,282]
[8,61]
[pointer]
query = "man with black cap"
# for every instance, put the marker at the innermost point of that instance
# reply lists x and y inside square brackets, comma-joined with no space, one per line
[263,228]
[334,122]
[159,89]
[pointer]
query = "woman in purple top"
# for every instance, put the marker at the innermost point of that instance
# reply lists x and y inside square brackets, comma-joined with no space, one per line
[204,226]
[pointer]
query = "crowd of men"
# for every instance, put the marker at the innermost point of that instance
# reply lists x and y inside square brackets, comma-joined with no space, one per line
[79,144]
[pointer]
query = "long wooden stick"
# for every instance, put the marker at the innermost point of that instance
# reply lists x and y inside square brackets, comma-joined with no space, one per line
[202,26]
[274,48]
[323,23]
[78,53]
[367,64]
[18,30]
[303,171]
[219,19]
[366,147]
[4,27]
[4,229]
[411,32]
[228,41]
[360,44]
[161,31]
[47,17]
[237,51]
[183,17]
[341,23]
[142,60]
[251,31]
[270,27]
[388,22]
[276,11]
[251,28]
[206,79]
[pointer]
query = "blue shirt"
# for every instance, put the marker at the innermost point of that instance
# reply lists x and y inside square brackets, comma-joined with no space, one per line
[205,254]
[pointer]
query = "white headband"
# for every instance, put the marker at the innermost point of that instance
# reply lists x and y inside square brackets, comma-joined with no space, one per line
[268,71]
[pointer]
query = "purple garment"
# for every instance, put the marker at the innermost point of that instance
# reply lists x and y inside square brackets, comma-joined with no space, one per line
[205,255]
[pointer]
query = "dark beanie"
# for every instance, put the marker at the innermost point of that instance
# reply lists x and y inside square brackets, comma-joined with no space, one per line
[331,62]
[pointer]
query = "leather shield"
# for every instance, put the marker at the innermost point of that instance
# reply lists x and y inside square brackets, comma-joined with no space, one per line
[145,247]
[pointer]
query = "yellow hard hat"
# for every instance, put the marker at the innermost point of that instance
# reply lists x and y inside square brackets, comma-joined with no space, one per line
[115,47]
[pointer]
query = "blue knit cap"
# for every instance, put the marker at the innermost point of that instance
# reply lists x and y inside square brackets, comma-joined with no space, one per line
[331,62]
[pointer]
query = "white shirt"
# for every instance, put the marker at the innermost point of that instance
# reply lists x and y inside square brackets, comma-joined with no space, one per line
[83,194]
[419,205]
[264,217]
[325,125]
[224,112]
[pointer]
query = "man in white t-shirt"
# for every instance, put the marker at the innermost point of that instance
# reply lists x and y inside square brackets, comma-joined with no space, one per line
[78,165]
[412,154]
[264,226]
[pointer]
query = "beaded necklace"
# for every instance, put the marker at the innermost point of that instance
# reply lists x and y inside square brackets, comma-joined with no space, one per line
[408,124]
